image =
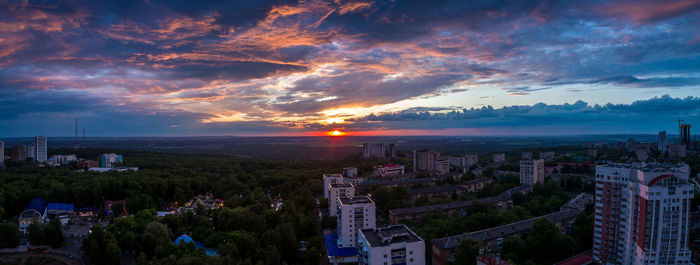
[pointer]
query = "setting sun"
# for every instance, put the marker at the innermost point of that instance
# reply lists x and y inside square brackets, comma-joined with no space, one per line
[336,133]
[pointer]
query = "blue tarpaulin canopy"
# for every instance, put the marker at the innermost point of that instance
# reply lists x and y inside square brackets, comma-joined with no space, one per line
[334,250]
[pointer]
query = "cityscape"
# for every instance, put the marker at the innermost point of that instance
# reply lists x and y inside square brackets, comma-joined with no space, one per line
[349,132]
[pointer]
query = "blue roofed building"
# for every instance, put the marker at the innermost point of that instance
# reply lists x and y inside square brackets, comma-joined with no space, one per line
[185,239]
[33,213]
[338,255]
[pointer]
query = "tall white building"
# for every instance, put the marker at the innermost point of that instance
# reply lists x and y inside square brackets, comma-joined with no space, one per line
[390,245]
[531,171]
[40,153]
[330,179]
[642,214]
[354,214]
[339,190]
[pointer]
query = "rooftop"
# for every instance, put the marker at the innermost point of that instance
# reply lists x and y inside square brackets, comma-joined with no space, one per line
[341,185]
[354,200]
[479,180]
[503,230]
[397,182]
[377,237]
[444,206]
[334,175]
[436,189]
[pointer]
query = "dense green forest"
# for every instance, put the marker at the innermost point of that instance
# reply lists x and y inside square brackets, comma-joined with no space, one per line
[246,231]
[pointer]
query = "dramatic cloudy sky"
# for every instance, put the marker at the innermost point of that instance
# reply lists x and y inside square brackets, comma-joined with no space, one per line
[173,67]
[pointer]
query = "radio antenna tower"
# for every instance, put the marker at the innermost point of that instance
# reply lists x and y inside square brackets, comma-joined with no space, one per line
[75,140]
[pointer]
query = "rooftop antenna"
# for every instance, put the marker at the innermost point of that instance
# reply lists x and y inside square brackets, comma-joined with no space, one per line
[75,140]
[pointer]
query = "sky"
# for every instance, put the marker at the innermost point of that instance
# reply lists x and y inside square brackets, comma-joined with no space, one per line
[195,68]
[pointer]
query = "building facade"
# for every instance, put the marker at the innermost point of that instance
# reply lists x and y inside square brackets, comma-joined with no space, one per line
[40,153]
[642,214]
[388,170]
[354,214]
[422,160]
[499,158]
[531,171]
[329,179]
[390,245]
[110,160]
[472,160]
[662,141]
[373,150]
[339,190]
[549,155]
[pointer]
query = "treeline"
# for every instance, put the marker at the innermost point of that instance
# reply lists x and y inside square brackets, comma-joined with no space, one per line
[246,231]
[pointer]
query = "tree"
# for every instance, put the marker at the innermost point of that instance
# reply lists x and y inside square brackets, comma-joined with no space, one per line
[582,231]
[514,249]
[154,235]
[101,247]
[46,233]
[9,232]
[466,252]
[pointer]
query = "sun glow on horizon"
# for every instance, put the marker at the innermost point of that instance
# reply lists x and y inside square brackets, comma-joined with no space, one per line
[336,133]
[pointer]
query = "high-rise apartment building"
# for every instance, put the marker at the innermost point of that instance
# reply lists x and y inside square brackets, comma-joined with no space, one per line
[354,214]
[329,179]
[531,171]
[373,150]
[392,150]
[40,154]
[339,190]
[422,160]
[662,144]
[441,164]
[685,135]
[390,245]
[642,214]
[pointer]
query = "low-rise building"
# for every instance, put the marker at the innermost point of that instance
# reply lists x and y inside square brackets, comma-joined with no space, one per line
[354,214]
[33,213]
[579,202]
[471,160]
[442,247]
[676,151]
[499,158]
[436,191]
[592,153]
[388,170]
[359,188]
[350,172]
[547,156]
[395,244]
[476,185]
[111,160]
[416,214]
